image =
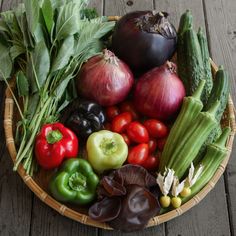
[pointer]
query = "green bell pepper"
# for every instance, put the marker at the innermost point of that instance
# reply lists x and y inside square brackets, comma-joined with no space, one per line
[106,150]
[75,182]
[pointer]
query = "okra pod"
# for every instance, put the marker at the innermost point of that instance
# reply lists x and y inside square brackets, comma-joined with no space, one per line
[191,107]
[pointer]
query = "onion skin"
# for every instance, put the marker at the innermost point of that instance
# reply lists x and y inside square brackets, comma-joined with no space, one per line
[105,79]
[159,93]
[140,49]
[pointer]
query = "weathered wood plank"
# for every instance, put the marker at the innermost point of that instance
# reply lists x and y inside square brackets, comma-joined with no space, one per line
[15,201]
[221,22]
[199,220]
[46,221]
[15,197]
[119,8]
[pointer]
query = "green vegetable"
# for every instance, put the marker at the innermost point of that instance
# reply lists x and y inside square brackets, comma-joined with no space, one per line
[106,150]
[219,92]
[186,22]
[190,143]
[47,41]
[75,182]
[194,63]
[215,154]
[190,109]
[206,60]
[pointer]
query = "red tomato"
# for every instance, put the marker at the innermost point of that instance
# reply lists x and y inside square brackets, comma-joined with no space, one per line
[151,163]
[120,122]
[126,139]
[111,112]
[156,128]
[137,132]
[161,143]
[138,154]
[152,144]
[128,106]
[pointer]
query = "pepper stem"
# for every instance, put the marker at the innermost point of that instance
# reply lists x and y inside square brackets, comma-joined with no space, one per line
[54,136]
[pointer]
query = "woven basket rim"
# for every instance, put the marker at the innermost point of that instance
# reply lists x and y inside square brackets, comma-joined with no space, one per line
[84,219]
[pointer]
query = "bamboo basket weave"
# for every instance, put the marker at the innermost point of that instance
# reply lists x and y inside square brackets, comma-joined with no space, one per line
[38,183]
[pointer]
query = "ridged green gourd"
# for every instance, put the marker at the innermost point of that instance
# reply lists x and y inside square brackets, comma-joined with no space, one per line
[194,64]
[186,22]
[206,60]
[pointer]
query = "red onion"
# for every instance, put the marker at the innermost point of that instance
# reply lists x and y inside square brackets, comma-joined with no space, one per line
[159,92]
[105,79]
[144,39]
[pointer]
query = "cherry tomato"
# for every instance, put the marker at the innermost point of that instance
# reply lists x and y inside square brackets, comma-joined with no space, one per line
[120,122]
[151,163]
[161,143]
[111,112]
[156,128]
[128,106]
[138,154]
[137,132]
[152,144]
[126,139]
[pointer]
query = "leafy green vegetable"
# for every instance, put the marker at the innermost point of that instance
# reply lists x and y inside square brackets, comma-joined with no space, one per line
[5,62]
[48,41]
[22,84]
[48,14]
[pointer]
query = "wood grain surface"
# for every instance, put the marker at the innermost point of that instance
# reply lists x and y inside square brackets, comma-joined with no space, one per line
[21,213]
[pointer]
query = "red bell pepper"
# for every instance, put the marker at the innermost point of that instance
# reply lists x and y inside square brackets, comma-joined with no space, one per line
[53,144]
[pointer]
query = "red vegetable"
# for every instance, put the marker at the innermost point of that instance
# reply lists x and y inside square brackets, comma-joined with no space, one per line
[126,138]
[159,93]
[138,154]
[161,143]
[152,145]
[53,144]
[137,132]
[156,128]
[120,122]
[151,163]
[111,112]
[105,79]
[129,106]
[144,39]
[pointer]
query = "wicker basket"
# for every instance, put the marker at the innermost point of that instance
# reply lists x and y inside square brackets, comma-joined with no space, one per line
[38,183]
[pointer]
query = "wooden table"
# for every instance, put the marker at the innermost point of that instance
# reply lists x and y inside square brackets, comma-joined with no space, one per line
[21,213]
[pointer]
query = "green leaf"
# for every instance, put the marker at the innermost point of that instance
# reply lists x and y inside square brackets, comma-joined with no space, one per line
[22,84]
[32,14]
[65,52]
[5,62]
[68,21]
[16,51]
[48,14]
[38,66]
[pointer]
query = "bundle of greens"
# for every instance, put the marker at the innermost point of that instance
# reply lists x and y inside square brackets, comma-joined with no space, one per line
[44,43]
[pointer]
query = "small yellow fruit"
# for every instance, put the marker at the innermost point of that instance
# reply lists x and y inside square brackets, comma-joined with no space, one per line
[176,202]
[165,201]
[185,192]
